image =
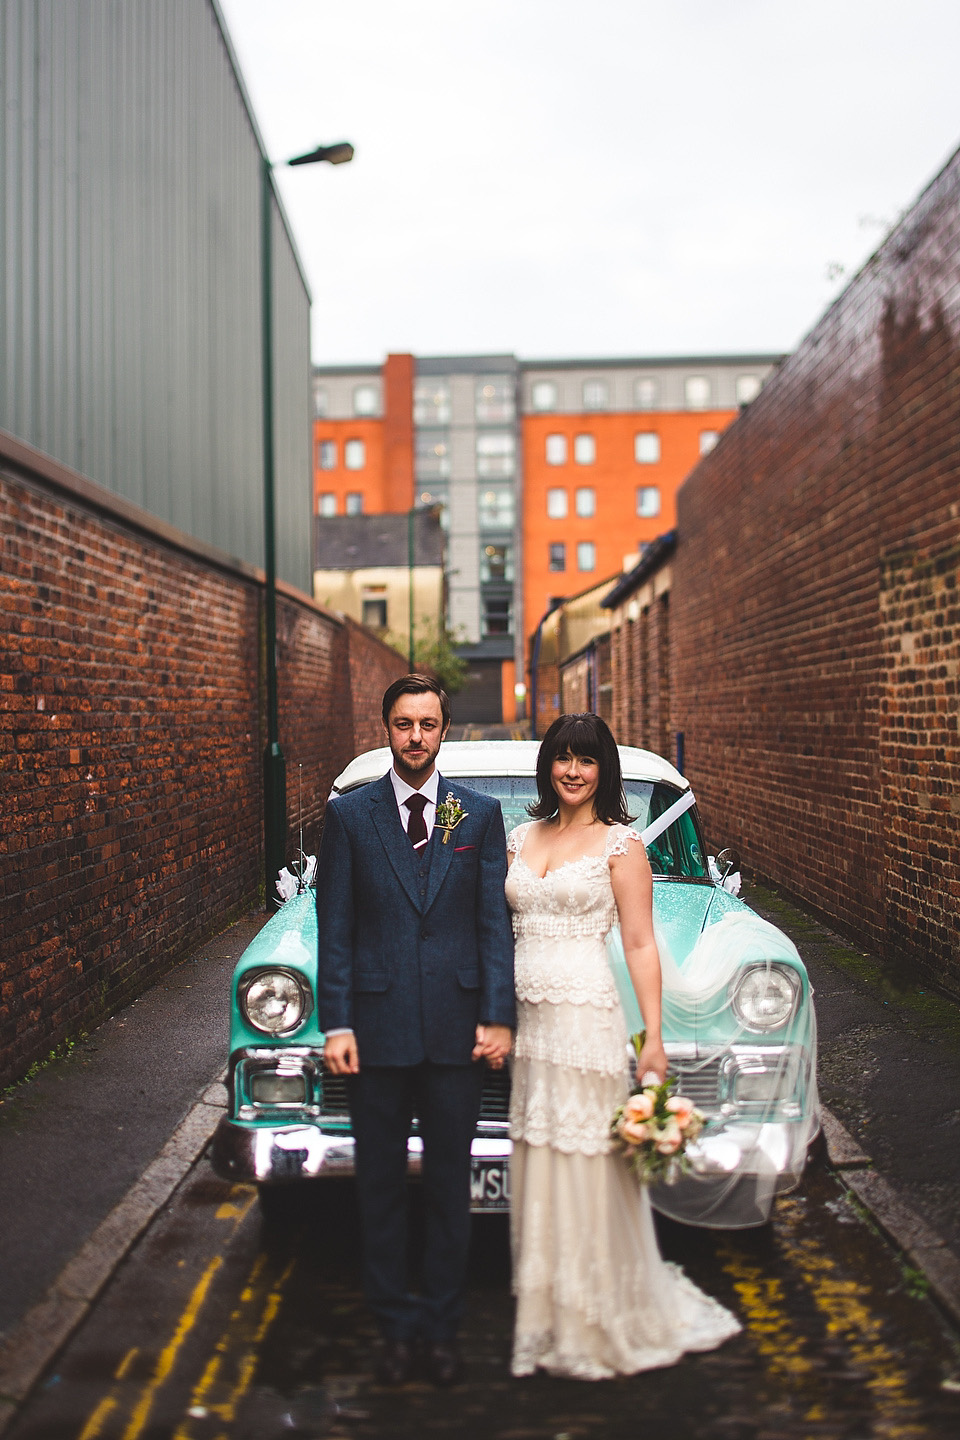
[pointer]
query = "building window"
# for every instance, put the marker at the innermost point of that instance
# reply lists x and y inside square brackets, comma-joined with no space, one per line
[495,399]
[327,504]
[354,502]
[646,447]
[586,555]
[432,452]
[431,402]
[375,613]
[496,562]
[584,449]
[543,395]
[496,615]
[648,501]
[557,504]
[321,401]
[497,509]
[366,400]
[586,502]
[355,454]
[557,556]
[326,454]
[596,395]
[646,393]
[556,449]
[496,454]
[708,438]
[696,391]
[748,388]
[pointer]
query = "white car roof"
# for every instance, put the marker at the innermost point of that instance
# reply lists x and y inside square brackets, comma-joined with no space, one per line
[461,759]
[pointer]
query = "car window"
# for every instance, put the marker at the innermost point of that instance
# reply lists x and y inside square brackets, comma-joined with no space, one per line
[678,852]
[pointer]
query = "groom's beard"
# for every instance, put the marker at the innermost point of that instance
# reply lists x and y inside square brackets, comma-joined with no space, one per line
[414,762]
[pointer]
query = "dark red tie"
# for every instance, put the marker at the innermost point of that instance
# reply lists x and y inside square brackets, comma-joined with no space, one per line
[417,828]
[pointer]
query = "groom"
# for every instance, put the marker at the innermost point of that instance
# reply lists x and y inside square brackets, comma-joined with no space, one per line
[415,996]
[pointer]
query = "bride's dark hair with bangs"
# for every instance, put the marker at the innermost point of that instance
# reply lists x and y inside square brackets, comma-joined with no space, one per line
[585,735]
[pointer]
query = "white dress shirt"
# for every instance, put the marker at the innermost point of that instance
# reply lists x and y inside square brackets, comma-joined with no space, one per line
[403,791]
[428,790]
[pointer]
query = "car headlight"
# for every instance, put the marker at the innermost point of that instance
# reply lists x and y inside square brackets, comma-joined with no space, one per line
[765,996]
[274,1001]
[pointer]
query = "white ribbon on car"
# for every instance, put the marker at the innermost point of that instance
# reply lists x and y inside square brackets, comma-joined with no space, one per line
[663,822]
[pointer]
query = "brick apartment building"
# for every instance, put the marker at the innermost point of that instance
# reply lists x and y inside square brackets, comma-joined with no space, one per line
[550,474]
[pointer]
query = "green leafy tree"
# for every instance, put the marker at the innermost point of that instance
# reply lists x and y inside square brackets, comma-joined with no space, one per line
[433,649]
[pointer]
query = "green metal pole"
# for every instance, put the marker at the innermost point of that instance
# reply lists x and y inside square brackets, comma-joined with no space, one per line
[410,587]
[274,765]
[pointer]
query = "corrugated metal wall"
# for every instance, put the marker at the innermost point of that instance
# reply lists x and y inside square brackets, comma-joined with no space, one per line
[130,291]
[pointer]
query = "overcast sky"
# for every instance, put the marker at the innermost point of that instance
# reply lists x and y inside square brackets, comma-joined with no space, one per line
[619,177]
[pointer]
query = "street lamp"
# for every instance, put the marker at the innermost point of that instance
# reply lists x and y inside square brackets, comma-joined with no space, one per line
[274,765]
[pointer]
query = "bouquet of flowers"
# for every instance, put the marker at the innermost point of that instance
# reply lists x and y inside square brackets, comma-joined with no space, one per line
[653,1127]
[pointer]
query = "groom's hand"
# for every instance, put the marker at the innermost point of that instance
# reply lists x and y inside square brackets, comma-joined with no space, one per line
[493,1044]
[340,1054]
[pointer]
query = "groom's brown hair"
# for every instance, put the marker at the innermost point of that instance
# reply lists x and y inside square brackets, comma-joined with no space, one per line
[415,685]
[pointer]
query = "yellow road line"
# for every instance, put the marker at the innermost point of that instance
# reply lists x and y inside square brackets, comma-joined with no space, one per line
[763,1304]
[244,1333]
[211,1371]
[843,1304]
[94,1425]
[168,1355]
[108,1404]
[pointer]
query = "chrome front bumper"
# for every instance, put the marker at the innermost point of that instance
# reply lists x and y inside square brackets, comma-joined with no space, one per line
[284,1154]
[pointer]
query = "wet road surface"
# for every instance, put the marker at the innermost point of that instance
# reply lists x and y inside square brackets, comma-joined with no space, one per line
[219,1325]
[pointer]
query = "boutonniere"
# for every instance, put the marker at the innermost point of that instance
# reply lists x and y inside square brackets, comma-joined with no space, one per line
[449,814]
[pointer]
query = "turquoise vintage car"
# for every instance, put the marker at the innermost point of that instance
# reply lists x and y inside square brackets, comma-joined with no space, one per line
[738,1018]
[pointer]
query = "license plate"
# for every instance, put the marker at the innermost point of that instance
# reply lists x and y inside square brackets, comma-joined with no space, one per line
[489,1185]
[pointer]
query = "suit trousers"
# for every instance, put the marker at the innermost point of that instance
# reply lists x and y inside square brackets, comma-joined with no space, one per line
[446,1101]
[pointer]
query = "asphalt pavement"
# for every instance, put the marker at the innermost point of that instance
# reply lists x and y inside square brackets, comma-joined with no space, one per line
[76,1136]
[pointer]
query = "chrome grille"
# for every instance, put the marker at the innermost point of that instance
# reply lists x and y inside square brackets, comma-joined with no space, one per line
[334,1104]
[494,1103]
[698,1080]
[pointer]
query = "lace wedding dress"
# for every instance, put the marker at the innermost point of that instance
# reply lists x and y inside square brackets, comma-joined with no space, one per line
[594,1298]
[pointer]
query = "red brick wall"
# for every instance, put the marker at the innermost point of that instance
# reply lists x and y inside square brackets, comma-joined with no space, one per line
[815,615]
[641,667]
[373,665]
[130,747]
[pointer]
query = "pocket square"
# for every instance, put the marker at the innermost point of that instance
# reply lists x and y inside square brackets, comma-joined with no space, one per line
[460,848]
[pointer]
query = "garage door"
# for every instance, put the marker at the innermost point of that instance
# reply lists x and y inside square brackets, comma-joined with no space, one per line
[481,699]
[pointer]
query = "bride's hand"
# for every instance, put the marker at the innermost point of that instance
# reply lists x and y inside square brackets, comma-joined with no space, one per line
[652,1058]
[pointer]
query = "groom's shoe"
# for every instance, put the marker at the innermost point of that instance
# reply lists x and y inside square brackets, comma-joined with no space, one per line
[444,1363]
[396,1363]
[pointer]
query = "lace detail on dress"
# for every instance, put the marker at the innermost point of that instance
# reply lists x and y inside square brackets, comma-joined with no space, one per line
[557,927]
[567,1109]
[553,970]
[602,1048]
[517,836]
[618,841]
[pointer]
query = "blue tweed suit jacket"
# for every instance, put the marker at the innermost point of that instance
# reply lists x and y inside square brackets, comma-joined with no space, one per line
[414,952]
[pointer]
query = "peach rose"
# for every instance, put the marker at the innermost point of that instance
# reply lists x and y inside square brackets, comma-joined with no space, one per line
[639,1107]
[682,1108]
[633,1131]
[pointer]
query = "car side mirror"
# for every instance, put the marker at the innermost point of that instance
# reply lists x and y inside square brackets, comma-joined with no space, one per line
[728,862]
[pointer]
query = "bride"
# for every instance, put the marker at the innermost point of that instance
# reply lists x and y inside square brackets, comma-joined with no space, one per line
[594,1297]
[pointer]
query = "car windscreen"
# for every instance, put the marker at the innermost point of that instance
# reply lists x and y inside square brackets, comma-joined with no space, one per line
[678,852]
